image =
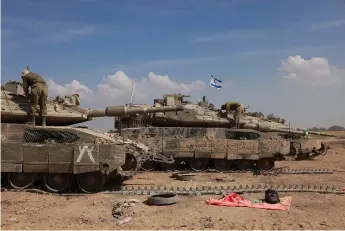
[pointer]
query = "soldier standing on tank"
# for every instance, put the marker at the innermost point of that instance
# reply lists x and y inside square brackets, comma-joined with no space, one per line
[237,108]
[37,95]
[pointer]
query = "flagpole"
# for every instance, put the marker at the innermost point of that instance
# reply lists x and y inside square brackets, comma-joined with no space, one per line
[133,83]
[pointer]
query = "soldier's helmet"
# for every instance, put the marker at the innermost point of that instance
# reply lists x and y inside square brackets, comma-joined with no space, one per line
[26,71]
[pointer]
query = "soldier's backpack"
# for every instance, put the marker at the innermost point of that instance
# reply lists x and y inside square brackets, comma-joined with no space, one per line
[271,196]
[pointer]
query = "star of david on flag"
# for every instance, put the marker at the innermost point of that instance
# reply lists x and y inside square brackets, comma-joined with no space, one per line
[215,82]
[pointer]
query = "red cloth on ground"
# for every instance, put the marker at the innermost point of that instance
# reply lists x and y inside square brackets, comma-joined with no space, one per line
[235,200]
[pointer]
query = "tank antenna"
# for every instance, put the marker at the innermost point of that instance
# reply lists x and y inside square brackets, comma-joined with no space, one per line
[133,84]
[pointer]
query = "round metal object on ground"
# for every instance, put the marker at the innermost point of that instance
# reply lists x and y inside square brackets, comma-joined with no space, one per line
[90,182]
[170,167]
[266,164]
[222,165]
[148,165]
[162,199]
[58,182]
[21,180]
[186,177]
[198,164]
[244,164]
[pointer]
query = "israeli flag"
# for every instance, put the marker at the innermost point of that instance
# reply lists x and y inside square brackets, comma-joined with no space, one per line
[215,82]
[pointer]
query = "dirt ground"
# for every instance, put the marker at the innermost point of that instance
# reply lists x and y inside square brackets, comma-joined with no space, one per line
[308,210]
[340,134]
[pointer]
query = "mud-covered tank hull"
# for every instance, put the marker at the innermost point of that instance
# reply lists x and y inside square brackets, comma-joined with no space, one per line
[219,148]
[60,158]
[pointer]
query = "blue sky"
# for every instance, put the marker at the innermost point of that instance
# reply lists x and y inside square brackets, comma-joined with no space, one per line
[242,42]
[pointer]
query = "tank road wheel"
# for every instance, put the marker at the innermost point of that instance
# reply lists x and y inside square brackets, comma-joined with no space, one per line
[244,165]
[90,182]
[131,165]
[197,164]
[172,166]
[148,165]
[21,180]
[58,182]
[222,165]
[266,164]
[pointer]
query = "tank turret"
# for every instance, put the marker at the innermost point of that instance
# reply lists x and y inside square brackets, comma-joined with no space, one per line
[204,114]
[62,111]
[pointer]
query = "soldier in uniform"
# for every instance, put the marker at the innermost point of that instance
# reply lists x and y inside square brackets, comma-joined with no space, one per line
[237,108]
[73,100]
[38,94]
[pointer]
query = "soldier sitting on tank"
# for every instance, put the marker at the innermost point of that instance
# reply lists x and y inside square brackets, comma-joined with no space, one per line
[37,95]
[238,110]
[72,100]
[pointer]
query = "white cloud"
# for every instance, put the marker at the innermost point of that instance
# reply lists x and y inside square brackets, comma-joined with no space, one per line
[311,93]
[314,72]
[70,88]
[116,89]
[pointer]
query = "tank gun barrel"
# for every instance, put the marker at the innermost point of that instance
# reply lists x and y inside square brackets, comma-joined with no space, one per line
[113,111]
[264,128]
[309,132]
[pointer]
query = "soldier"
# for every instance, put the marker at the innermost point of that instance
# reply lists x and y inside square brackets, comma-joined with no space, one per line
[38,94]
[237,108]
[72,100]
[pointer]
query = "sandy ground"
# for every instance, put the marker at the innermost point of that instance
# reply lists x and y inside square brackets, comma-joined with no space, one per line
[340,134]
[308,210]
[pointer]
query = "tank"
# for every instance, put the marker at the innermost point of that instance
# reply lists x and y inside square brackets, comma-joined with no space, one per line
[60,158]
[60,112]
[202,128]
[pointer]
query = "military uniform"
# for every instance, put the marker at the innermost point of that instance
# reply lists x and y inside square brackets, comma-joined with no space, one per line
[237,108]
[72,101]
[38,94]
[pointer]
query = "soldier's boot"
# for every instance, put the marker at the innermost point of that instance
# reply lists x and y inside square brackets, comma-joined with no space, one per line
[44,121]
[33,120]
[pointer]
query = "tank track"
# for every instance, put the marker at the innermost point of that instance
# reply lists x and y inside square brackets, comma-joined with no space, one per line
[261,172]
[116,186]
[210,190]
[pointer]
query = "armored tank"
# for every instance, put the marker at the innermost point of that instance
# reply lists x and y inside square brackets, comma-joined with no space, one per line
[203,136]
[60,157]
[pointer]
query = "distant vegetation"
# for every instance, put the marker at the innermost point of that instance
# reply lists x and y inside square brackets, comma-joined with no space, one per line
[332,128]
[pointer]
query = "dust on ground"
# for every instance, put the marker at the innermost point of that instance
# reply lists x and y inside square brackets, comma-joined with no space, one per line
[308,210]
